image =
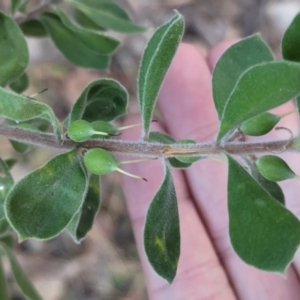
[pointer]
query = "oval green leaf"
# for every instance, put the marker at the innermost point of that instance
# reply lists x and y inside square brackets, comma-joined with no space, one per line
[14,55]
[108,15]
[26,287]
[97,42]
[21,84]
[83,220]
[260,125]
[82,20]
[270,186]
[18,5]
[262,231]
[8,240]
[67,40]
[161,233]
[154,65]
[104,99]
[6,182]
[10,162]
[42,204]
[290,44]
[33,28]
[19,108]
[260,89]
[233,63]
[274,168]
[4,227]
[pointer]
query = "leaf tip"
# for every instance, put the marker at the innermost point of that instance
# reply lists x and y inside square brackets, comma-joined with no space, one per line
[21,239]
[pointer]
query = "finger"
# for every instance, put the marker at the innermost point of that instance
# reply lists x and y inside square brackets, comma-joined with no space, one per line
[189,113]
[199,271]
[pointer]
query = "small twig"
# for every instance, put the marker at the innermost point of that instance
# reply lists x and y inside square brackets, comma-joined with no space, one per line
[37,11]
[144,148]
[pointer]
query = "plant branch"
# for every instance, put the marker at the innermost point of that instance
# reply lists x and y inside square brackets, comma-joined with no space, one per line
[37,11]
[146,149]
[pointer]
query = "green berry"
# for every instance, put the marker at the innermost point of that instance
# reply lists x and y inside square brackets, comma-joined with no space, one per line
[103,126]
[99,161]
[80,131]
[260,125]
[274,168]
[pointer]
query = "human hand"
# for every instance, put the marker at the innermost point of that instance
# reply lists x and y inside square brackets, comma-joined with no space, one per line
[208,267]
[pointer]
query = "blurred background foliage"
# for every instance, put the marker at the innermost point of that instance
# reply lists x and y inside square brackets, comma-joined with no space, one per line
[106,265]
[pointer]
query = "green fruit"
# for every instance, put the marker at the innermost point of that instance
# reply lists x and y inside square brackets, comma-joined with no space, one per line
[80,131]
[103,126]
[187,159]
[99,161]
[274,168]
[260,125]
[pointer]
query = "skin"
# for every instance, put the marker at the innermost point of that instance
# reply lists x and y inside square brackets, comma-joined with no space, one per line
[208,267]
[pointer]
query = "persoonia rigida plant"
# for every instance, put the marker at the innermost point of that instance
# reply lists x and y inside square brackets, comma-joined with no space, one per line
[247,82]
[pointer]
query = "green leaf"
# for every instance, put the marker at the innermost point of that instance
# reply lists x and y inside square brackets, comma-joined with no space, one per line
[4,227]
[21,84]
[20,147]
[260,89]
[14,56]
[3,288]
[274,168]
[161,234]
[67,40]
[33,28]
[155,136]
[18,5]
[233,63]
[6,182]
[96,42]
[290,44]
[10,163]
[20,277]
[7,240]
[260,125]
[83,220]
[103,126]
[271,187]
[20,108]
[104,99]
[106,5]
[84,21]
[42,204]
[263,232]
[108,15]
[154,65]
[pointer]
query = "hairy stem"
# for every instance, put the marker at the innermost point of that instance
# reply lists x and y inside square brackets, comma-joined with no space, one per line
[37,11]
[147,149]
